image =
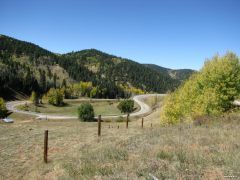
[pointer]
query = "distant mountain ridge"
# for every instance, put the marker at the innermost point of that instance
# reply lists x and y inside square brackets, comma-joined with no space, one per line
[178,74]
[25,67]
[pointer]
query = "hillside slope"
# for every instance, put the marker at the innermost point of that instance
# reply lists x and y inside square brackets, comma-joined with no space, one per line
[178,74]
[110,68]
[25,67]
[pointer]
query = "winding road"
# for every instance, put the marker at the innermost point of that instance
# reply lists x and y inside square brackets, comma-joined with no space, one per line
[139,99]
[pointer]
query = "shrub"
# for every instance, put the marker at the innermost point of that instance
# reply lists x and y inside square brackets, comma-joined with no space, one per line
[211,91]
[55,97]
[126,106]
[86,112]
[3,109]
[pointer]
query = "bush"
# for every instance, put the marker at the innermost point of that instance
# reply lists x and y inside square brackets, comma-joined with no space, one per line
[208,92]
[3,109]
[126,106]
[86,112]
[55,97]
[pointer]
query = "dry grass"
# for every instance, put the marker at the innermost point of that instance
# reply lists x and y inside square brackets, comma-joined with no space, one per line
[210,151]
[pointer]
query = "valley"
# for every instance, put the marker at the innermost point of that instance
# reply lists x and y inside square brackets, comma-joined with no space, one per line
[119,90]
[189,131]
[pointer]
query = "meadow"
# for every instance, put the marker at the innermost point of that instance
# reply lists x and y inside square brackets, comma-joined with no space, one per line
[70,107]
[186,151]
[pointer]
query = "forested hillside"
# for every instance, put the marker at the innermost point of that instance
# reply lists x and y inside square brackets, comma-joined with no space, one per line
[116,70]
[179,74]
[26,67]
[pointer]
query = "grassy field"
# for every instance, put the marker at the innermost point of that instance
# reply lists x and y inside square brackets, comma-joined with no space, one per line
[71,106]
[209,151]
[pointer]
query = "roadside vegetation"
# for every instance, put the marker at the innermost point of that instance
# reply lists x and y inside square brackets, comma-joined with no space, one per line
[211,91]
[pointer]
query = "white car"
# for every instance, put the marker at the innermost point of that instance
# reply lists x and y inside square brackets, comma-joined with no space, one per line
[8,120]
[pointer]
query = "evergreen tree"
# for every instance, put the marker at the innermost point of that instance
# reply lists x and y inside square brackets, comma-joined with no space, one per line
[55,80]
[42,81]
[64,83]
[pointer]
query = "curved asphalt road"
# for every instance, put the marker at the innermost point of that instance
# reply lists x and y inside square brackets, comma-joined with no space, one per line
[144,109]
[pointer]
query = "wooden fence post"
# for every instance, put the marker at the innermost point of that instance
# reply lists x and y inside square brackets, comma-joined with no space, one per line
[45,155]
[99,125]
[127,120]
[142,122]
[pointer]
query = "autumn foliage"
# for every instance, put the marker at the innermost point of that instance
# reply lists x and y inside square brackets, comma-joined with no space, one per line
[211,91]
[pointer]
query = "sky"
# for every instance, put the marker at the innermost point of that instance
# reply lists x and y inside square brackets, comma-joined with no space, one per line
[171,33]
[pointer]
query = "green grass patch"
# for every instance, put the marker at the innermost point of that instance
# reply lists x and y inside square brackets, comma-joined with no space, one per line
[70,108]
